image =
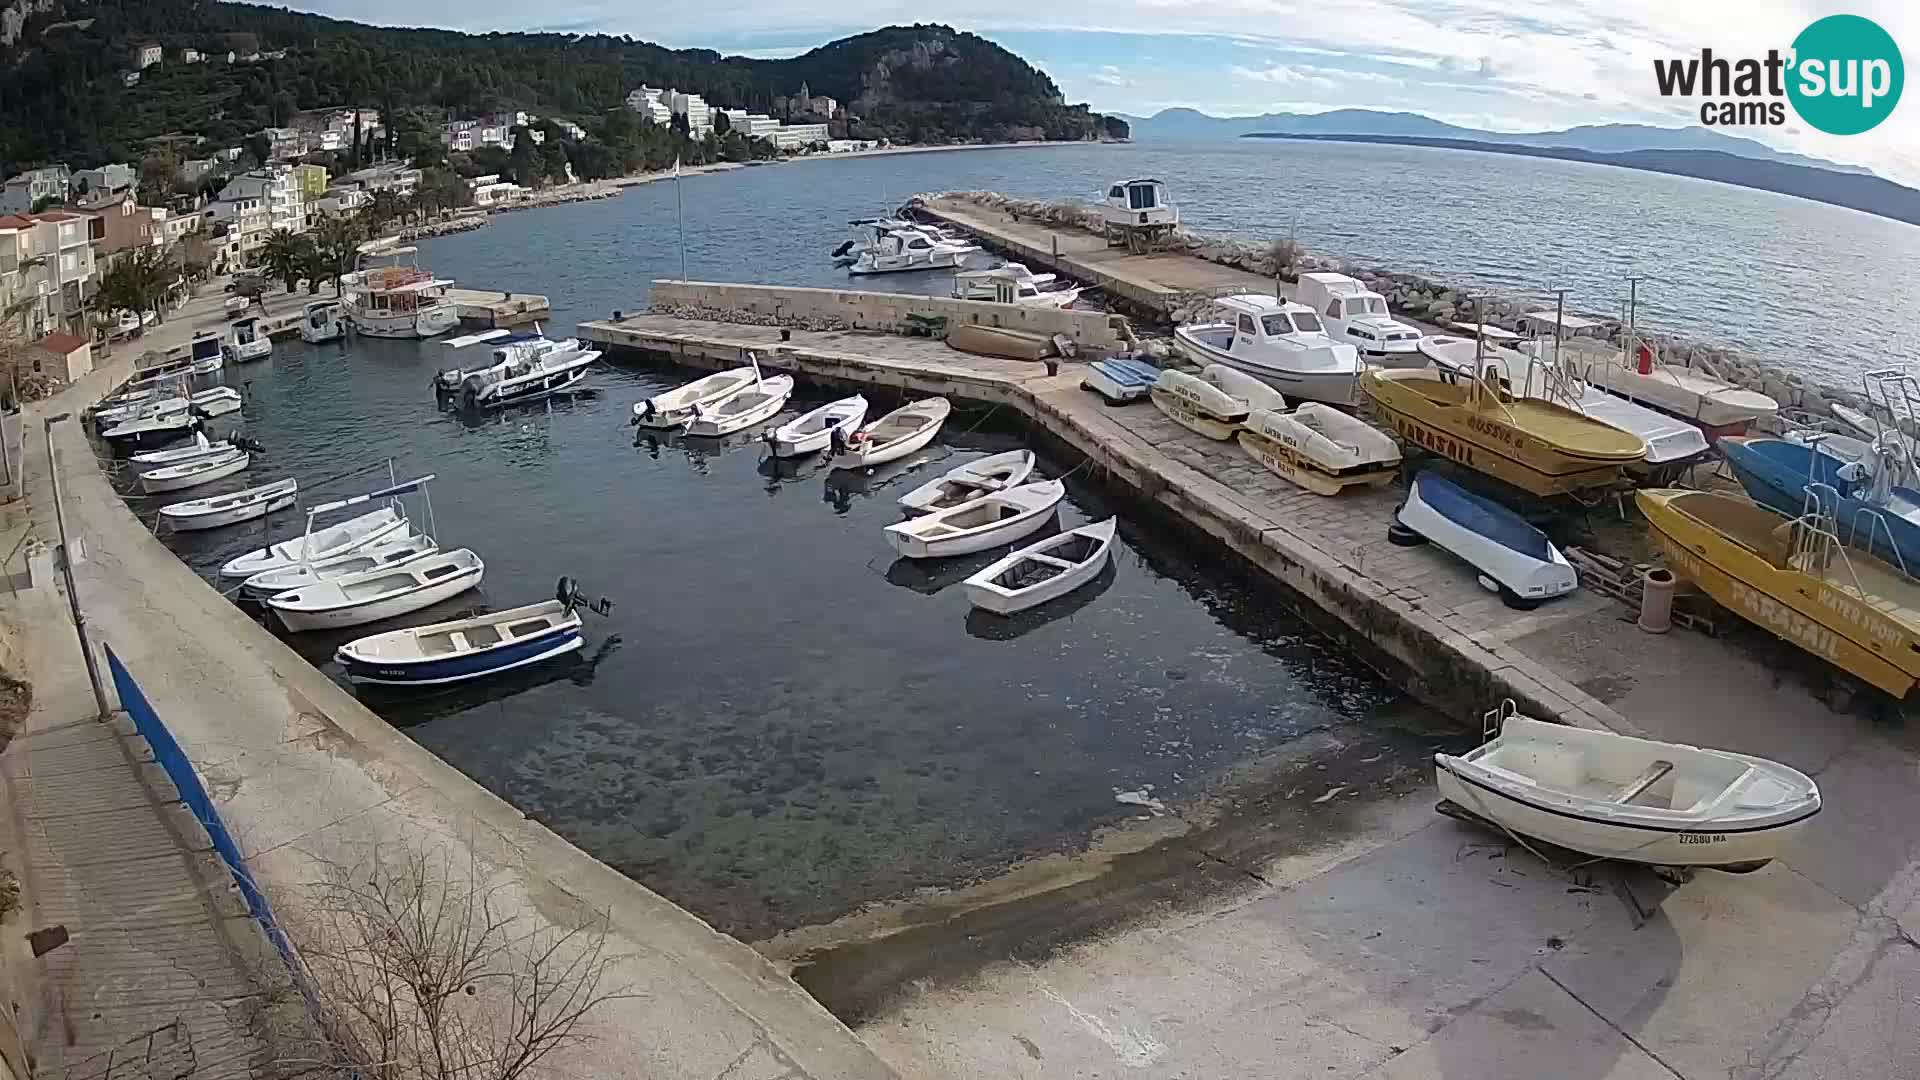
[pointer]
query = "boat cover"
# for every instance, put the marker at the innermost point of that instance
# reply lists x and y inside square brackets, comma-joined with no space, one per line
[1482,515]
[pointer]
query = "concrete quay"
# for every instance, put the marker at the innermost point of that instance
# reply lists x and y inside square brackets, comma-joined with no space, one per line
[489,309]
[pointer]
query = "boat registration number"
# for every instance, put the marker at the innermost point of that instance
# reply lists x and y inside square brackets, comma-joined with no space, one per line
[1703,838]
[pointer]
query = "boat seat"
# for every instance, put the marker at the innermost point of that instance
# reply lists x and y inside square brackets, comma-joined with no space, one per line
[1051,561]
[1638,785]
[439,644]
[482,636]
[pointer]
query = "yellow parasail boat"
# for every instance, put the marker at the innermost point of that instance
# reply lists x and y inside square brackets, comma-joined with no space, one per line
[1792,576]
[1534,445]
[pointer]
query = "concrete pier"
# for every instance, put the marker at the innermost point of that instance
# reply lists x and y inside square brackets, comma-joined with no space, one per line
[488,309]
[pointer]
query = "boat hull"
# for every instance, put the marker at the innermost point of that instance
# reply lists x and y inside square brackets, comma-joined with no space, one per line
[1488,537]
[1490,445]
[441,672]
[1006,470]
[1884,532]
[1331,387]
[423,323]
[1290,464]
[386,607]
[205,471]
[230,516]
[380,556]
[386,524]
[715,427]
[794,440]
[913,547]
[1120,381]
[893,451]
[531,390]
[981,592]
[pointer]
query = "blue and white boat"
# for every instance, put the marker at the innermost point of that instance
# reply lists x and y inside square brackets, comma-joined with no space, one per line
[451,652]
[1121,379]
[1514,558]
[1874,511]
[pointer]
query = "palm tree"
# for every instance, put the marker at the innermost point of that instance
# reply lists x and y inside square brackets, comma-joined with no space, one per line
[336,239]
[285,255]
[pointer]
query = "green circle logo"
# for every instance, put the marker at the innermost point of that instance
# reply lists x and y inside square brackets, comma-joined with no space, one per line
[1846,75]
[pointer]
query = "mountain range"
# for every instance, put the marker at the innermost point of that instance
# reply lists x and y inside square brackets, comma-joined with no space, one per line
[1595,138]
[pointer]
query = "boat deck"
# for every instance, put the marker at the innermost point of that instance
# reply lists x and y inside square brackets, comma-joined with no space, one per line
[1418,606]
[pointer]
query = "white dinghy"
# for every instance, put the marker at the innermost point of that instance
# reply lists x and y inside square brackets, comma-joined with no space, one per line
[312,546]
[1636,800]
[894,436]
[754,405]
[194,473]
[999,518]
[1200,405]
[218,401]
[965,483]
[195,451]
[1514,558]
[676,406]
[218,510]
[392,551]
[1320,448]
[379,594]
[1044,571]
[814,431]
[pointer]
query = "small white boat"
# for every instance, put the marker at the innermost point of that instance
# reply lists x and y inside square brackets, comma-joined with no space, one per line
[1280,343]
[814,431]
[965,483]
[1638,374]
[676,406]
[1320,448]
[463,649]
[1514,558]
[122,407]
[999,518]
[158,429]
[1013,283]
[397,549]
[1200,405]
[314,546]
[323,321]
[208,352]
[893,436]
[754,405]
[1636,800]
[1357,315]
[218,510]
[900,250]
[246,341]
[526,378]
[180,455]
[1044,571]
[216,401]
[1121,379]
[379,594]
[194,473]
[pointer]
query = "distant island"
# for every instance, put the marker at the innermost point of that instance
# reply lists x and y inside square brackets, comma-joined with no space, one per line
[1855,191]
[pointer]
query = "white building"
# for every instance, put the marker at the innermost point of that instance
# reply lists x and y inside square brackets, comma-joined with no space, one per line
[490,190]
[21,192]
[466,136]
[652,104]
[698,113]
[146,54]
[285,143]
[105,180]
[798,136]
[256,204]
[52,263]
[341,201]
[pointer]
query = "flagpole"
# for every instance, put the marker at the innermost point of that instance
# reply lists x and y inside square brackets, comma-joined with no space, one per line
[681,204]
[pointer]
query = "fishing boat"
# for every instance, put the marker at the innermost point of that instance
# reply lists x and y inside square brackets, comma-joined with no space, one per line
[1792,577]
[1636,800]
[194,473]
[1121,379]
[1201,404]
[198,449]
[902,250]
[1043,571]
[965,483]
[247,341]
[988,522]
[391,296]
[1013,283]
[754,405]
[1635,371]
[676,406]
[892,437]
[1280,343]
[1874,509]
[387,522]
[1320,448]
[1540,447]
[208,352]
[813,432]
[1357,315]
[526,378]
[232,508]
[397,549]
[152,430]
[451,652]
[1514,558]
[323,321]
[386,593]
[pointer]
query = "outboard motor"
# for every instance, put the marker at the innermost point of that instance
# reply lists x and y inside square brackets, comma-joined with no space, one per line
[567,592]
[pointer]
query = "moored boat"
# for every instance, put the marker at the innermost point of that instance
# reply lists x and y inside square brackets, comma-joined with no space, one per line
[676,406]
[194,451]
[322,321]
[893,436]
[1635,371]
[396,300]
[232,508]
[247,341]
[813,431]
[1013,283]
[314,546]
[754,405]
[964,483]
[1043,571]
[526,378]
[472,648]
[1618,797]
[207,352]
[998,518]
[384,593]
[1281,343]
[192,474]
[1320,448]
[1521,563]
[216,401]
[396,549]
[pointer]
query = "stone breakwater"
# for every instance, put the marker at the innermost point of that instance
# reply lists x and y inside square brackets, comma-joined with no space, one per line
[1420,297]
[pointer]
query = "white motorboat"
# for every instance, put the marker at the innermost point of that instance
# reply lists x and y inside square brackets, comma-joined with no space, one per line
[194,473]
[199,448]
[208,352]
[526,378]
[216,401]
[1121,379]
[322,321]
[108,416]
[391,296]
[1044,571]
[1636,800]
[1280,343]
[1637,373]
[1137,204]
[813,432]
[1012,283]
[676,406]
[397,549]
[247,341]
[893,436]
[903,250]
[988,522]
[1358,316]
[450,652]
[965,483]
[1514,558]
[155,429]
[385,593]
[312,546]
[218,510]
[1320,448]
[754,405]
[1199,404]
[505,347]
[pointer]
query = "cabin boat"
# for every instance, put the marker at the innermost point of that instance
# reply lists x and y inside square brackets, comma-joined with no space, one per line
[385,593]
[1635,372]
[901,432]
[191,474]
[313,546]
[1280,343]
[1121,379]
[988,522]
[1357,315]
[232,508]
[1874,509]
[864,234]
[208,352]
[463,649]
[965,483]
[1013,283]
[1320,448]
[152,430]
[1137,212]
[1522,565]
[754,405]
[152,367]
[391,296]
[247,341]
[506,347]
[1636,800]
[814,431]
[398,548]
[322,321]
[1537,446]
[115,411]
[677,406]
[1792,577]
[525,378]
[903,250]
[1043,571]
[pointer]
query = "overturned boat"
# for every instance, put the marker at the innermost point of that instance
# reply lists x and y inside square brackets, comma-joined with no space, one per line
[1121,379]
[1518,560]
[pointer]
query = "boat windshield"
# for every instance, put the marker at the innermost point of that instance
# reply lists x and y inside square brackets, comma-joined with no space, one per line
[1372,305]
[1278,326]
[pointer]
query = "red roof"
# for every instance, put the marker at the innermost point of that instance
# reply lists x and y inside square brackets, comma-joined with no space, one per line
[57,215]
[60,343]
[15,221]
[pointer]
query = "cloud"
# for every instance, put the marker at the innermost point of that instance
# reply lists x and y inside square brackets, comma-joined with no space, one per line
[1108,75]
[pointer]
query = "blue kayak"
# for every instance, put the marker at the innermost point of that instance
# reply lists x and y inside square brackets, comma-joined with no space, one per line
[1776,472]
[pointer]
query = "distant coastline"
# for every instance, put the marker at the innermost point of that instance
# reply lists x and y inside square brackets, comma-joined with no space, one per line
[1868,194]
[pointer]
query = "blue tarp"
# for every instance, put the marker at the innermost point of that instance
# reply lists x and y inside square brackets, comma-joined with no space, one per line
[1481,515]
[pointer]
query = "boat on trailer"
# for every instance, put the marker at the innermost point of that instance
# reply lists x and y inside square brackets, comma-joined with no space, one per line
[1320,448]
[1635,800]
[1874,509]
[1518,560]
[1121,379]
[463,649]
[675,407]
[1043,571]
[999,518]
[901,432]
[384,593]
[813,431]
[216,511]
[965,483]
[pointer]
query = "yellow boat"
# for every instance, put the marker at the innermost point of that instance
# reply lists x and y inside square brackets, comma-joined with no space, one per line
[1793,577]
[1534,445]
